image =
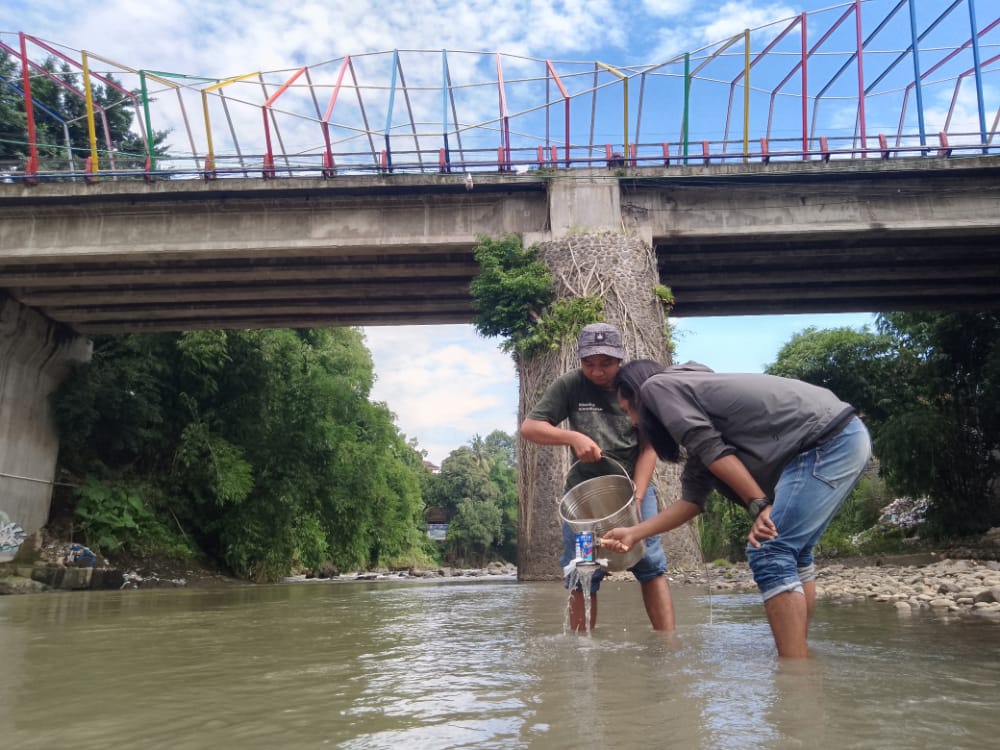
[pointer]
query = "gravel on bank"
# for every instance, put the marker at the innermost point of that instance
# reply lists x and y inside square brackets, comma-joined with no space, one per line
[966,586]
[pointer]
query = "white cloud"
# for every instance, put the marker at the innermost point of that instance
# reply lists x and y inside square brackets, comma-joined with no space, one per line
[667,8]
[444,383]
[735,17]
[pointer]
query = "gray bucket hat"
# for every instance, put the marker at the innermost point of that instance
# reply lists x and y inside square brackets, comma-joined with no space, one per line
[600,338]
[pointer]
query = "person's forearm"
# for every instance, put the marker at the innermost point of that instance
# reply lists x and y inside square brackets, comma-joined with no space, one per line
[674,515]
[732,472]
[645,465]
[543,433]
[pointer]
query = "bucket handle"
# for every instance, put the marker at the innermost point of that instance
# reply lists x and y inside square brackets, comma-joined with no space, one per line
[607,458]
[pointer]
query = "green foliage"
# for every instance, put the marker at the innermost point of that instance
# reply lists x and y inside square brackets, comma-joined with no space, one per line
[856,365]
[214,464]
[511,291]
[928,385]
[666,296]
[562,322]
[264,442]
[113,517]
[723,529]
[515,298]
[941,437]
[477,486]
[109,516]
[476,526]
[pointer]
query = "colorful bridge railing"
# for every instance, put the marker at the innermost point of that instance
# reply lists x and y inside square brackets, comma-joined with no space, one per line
[862,79]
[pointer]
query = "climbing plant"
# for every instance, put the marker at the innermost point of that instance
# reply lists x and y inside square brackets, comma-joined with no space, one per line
[515,298]
[666,297]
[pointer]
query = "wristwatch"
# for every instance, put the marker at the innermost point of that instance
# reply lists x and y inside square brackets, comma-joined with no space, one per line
[755,506]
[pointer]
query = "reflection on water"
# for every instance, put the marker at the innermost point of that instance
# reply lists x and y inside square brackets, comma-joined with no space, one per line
[477,665]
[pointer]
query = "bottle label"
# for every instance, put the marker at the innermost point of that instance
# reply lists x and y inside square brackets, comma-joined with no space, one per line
[585,546]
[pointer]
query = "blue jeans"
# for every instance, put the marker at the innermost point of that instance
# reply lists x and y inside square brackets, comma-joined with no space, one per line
[652,564]
[809,493]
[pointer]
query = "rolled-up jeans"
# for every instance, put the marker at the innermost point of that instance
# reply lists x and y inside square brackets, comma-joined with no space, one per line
[809,493]
[652,564]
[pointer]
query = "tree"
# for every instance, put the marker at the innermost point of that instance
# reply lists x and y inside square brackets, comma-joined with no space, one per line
[928,385]
[477,485]
[62,106]
[262,445]
[13,130]
[942,433]
[854,364]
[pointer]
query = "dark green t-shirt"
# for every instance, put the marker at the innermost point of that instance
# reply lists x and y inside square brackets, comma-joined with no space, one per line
[594,411]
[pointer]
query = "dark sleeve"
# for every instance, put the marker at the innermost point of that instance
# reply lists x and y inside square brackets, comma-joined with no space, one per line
[697,482]
[676,406]
[553,406]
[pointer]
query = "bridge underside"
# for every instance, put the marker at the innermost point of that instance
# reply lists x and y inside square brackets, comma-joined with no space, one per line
[308,291]
[855,272]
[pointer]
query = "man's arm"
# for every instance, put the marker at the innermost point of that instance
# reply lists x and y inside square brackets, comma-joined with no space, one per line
[541,432]
[734,473]
[676,514]
[731,471]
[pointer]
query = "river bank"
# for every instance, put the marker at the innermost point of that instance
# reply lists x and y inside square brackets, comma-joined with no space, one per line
[909,583]
[956,581]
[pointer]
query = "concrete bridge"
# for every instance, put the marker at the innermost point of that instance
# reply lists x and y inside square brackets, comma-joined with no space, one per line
[731,239]
[78,259]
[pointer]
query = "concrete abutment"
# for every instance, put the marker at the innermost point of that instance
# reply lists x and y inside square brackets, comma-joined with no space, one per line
[35,357]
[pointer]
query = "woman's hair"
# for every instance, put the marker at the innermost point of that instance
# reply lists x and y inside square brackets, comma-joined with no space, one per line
[628,383]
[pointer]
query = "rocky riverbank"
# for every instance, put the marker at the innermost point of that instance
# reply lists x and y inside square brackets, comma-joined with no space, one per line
[908,583]
[959,581]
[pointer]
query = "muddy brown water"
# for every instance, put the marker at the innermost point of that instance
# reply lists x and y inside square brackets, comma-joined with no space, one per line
[463,664]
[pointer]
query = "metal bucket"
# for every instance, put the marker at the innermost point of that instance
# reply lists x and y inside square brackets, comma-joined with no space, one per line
[599,505]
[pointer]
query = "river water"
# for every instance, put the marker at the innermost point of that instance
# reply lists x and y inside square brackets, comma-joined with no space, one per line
[462,664]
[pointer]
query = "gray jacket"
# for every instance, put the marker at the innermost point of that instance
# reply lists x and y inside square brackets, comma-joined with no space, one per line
[762,419]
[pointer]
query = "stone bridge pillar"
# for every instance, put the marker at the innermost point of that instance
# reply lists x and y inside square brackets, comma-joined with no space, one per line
[35,356]
[616,263]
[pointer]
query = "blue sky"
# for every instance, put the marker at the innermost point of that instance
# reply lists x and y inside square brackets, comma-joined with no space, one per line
[444,383]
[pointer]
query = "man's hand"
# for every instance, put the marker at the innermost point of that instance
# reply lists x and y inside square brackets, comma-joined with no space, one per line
[585,448]
[618,540]
[763,528]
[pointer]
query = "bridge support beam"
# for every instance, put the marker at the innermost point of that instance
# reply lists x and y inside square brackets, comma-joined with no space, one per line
[620,267]
[35,357]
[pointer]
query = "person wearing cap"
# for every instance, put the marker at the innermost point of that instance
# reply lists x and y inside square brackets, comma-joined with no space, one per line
[788,451]
[598,428]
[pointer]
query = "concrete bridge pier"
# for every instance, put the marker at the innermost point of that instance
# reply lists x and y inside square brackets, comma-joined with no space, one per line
[35,357]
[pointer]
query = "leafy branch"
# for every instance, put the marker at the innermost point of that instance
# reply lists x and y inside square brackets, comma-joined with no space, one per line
[515,298]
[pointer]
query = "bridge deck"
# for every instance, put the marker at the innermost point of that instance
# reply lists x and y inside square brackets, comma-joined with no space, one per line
[731,239]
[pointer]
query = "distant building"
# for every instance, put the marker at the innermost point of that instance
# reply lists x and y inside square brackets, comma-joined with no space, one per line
[437,523]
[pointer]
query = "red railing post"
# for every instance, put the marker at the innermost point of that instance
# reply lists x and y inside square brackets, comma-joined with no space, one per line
[945,149]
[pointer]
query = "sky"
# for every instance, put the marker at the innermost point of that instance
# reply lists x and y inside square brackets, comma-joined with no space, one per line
[444,383]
